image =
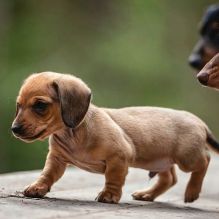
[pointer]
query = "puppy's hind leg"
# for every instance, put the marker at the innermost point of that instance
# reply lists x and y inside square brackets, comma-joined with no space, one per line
[195,183]
[166,180]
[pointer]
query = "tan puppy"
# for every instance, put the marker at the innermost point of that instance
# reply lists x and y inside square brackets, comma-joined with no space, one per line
[108,141]
[209,75]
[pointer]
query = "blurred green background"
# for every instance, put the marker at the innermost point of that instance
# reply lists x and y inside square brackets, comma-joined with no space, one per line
[130,52]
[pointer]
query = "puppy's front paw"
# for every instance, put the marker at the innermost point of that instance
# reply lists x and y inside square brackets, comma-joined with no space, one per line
[36,190]
[108,197]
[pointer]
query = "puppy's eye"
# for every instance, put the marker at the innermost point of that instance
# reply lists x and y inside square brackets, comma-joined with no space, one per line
[40,107]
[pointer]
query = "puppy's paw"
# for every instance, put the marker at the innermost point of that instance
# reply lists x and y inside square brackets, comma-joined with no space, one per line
[143,195]
[191,194]
[108,197]
[36,190]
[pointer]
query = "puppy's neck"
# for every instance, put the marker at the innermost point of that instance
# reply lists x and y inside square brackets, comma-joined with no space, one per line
[80,134]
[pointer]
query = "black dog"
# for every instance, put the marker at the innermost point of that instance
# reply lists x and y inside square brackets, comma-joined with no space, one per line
[208,45]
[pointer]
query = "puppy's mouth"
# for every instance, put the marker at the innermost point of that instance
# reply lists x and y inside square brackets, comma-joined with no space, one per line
[34,137]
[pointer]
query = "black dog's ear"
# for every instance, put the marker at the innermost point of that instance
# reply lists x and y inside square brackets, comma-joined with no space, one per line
[74,96]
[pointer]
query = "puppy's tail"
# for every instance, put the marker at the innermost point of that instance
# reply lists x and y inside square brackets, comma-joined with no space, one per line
[212,142]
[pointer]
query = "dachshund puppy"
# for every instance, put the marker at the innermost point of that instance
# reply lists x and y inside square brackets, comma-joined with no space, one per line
[209,75]
[108,141]
[208,45]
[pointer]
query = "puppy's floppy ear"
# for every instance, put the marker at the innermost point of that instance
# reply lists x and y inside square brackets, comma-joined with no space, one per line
[74,96]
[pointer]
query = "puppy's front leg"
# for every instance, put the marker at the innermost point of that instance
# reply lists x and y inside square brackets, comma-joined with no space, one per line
[53,170]
[116,171]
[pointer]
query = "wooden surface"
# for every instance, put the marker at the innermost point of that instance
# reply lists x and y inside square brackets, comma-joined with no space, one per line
[73,197]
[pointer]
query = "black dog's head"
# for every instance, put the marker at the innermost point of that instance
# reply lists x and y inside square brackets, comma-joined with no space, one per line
[208,44]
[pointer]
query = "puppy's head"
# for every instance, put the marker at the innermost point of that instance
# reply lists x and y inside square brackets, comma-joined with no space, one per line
[47,102]
[208,45]
[209,75]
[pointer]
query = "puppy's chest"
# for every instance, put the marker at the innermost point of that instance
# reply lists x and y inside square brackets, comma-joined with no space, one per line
[83,160]
[78,155]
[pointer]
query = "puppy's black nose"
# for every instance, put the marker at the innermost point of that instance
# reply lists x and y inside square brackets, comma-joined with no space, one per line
[17,129]
[203,78]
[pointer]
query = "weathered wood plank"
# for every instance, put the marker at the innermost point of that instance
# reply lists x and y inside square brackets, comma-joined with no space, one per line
[73,197]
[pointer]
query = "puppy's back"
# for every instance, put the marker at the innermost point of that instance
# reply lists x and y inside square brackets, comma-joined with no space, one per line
[158,127]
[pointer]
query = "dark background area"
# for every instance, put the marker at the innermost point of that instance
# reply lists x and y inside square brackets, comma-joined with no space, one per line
[130,52]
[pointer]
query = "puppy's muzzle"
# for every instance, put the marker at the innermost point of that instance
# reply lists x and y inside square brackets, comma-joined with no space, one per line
[17,129]
[203,78]
[20,132]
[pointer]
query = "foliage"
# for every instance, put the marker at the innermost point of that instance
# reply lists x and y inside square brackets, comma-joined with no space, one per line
[130,52]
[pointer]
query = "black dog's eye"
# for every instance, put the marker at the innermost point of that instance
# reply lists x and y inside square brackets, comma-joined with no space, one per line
[40,107]
[213,36]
